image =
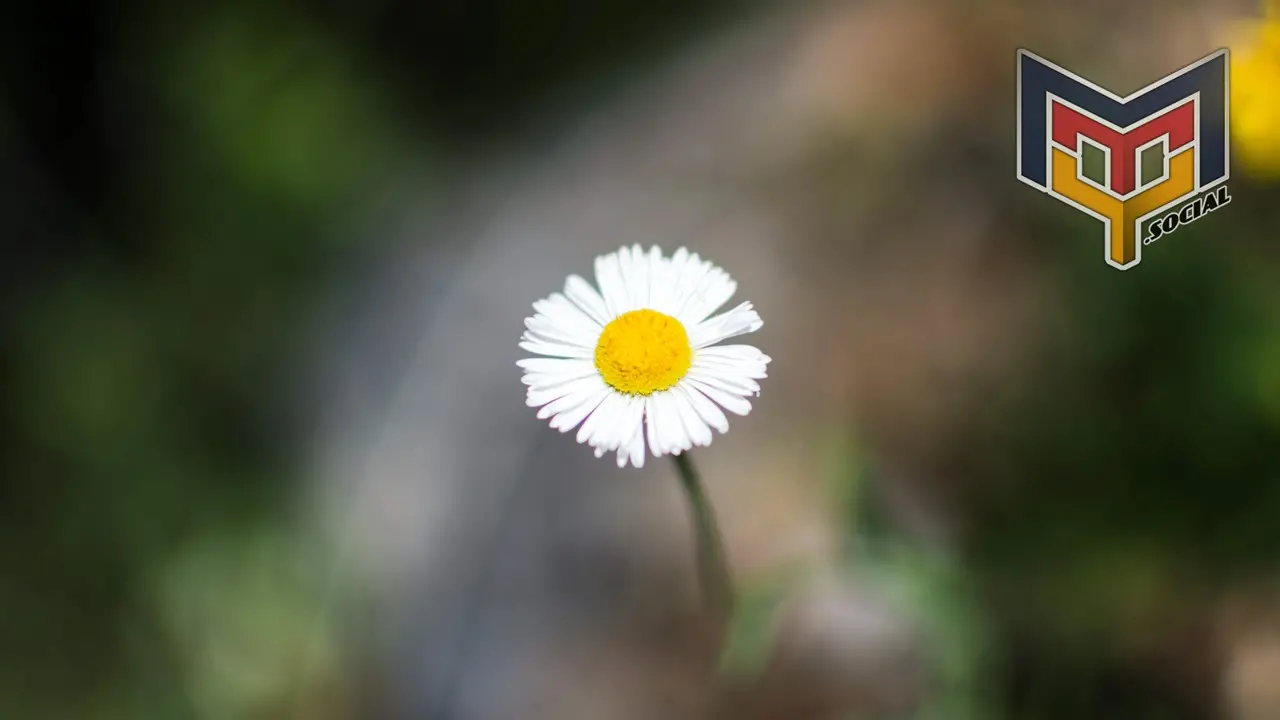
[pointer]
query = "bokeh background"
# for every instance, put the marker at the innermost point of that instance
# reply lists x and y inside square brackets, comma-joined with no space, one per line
[265,452]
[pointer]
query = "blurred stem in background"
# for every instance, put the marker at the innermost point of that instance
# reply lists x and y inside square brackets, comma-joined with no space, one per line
[714,579]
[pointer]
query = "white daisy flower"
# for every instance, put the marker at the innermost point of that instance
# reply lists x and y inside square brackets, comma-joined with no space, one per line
[634,361]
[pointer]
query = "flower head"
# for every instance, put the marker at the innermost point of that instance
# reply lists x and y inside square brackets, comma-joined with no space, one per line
[1255,105]
[637,361]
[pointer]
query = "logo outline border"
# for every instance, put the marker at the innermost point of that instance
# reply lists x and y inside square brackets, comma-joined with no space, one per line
[1106,222]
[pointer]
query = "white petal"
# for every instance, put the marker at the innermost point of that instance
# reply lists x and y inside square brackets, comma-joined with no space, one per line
[728,365]
[635,272]
[550,365]
[626,272]
[566,403]
[557,325]
[737,385]
[560,310]
[753,371]
[549,372]
[563,403]
[612,287]
[540,327]
[735,404]
[601,419]
[734,354]
[637,277]
[636,445]
[675,436]
[549,380]
[693,424]
[630,429]
[712,291]
[539,396]
[618,432]
[688,282]
[738,321]
[675,264]
[710,413]
[665,295]
[573,416]
[585,297]
[657,426]
[651,426]
[662,289]
[553,349]
[580,349]
[608,427]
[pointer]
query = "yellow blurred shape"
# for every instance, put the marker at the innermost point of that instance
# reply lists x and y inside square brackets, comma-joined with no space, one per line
[1255,104]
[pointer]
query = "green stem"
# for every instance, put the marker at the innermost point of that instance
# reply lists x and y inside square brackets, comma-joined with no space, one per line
[714,579]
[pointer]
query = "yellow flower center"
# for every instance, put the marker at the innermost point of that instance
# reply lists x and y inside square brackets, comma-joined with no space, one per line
[643,351]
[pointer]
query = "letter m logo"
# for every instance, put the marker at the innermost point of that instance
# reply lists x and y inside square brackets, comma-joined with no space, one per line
[1184,117]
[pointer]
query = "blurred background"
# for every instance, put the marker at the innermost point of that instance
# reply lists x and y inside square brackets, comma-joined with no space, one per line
[265,452]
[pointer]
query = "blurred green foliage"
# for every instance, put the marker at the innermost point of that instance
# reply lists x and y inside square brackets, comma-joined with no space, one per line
[189,184]
[147,390]
[1128,481]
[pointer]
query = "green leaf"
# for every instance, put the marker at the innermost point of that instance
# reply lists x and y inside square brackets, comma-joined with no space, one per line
[750,638]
